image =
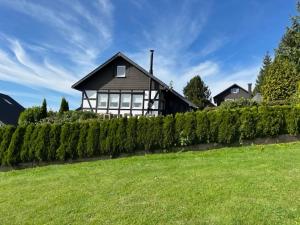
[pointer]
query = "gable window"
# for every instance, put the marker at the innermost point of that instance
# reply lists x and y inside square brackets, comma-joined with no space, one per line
[121,71]
[235,90]
[114,101]
[102,100]
[125,101]
[137,101]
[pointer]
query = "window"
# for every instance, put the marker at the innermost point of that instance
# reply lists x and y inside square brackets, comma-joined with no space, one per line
[125,101]
[102,100]
[235,90]
[114,101]
[137,101]
[121,71]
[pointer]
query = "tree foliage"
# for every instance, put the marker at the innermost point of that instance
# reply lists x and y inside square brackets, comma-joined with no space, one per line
[44,109]
[64,106]
[197,92]
[267,61]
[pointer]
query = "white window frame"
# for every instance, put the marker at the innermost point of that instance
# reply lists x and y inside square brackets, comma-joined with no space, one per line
[235,90]
[102,98]
[110,101]
[122,100]
[121,71]
[134,97]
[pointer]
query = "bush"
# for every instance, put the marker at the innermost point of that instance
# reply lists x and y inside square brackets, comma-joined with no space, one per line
[156,132]
[111,144]
[202,127]
[30,115]
[248,121]
[13,152]
[81,147]
[64,142]
[169,140]
[228,126]
[27,143]
[93,139]
[6,137]
[270,121]
[131,135]
[54,144]
[214,121]
[42,143]
[103,137]
[238,103]
[73,141]
[143,133]
[293,121]
[120,138]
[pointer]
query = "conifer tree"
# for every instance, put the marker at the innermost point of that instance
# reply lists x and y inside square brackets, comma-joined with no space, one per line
[64,106]
[103,137]
[26,143]
[111,143]
[93,139]
[197,92]
[14,149]
[262,73]
[168,132]
[7,135]
[121,134]
[64,142]
[81,147]
[73,142]
[42,143]
[131,132]
[54,141]
[44,109]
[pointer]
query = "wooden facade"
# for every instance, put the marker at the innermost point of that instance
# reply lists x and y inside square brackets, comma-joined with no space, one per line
[138,92]
[232,93]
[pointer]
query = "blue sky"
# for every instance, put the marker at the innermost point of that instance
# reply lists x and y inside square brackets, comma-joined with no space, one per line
[46,46]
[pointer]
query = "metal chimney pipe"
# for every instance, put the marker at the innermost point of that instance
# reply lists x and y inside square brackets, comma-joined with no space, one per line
[151,62]
[250,89]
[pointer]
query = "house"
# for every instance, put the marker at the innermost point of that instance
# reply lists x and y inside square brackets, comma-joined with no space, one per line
[9,110]
[121,87]
[233,92]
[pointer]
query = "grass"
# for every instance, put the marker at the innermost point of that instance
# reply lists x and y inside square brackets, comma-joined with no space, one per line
[245,185]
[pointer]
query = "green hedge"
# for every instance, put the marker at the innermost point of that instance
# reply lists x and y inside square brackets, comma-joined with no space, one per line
[47,142]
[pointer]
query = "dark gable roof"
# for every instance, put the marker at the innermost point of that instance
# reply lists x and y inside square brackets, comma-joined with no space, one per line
[9,110]
[234,85]
[120,54]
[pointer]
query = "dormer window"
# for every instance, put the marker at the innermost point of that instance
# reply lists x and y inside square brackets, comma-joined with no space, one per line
[121,71]
[235,90]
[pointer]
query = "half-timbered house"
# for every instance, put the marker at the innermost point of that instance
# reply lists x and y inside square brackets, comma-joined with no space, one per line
[122,87]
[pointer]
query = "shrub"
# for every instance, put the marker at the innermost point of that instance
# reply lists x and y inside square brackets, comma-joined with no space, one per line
[6,138]
[93,139]
[168,132]
[64,142]
[111,138]
[238,103]
[54,144]
[81,147]
[120,138]
[143,133]
[30,115]
[214,120]
[228,126]
[293,121]
[270,121]
[27,143]
[202,127]
[73,141]
[131,135]
[248,121]
[13,152]
[156,132]
[103,137]
[42,142]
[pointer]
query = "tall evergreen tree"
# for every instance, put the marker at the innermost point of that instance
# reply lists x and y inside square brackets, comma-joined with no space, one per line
[197,92]
[262,73]
[289,46]
[64,106]
[44,109]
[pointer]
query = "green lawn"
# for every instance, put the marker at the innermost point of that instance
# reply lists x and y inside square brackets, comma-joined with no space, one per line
[246,185]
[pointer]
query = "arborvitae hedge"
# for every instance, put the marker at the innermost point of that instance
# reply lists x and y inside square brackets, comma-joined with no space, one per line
[49,142]
[6,139]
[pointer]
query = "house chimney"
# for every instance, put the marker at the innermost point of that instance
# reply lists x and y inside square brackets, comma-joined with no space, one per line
[250,89]
[151,62]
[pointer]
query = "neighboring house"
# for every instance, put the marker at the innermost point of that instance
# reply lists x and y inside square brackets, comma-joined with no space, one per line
[121,87]
[9,110]
[232,93]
